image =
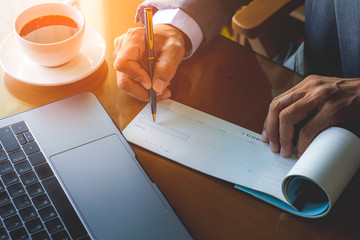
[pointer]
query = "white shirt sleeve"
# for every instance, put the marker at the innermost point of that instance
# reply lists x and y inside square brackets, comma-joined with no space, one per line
[181,20]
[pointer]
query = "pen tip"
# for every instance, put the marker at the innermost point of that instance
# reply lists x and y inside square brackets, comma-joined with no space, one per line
[154,117]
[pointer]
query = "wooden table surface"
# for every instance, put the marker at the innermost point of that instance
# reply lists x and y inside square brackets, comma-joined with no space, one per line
[225,80]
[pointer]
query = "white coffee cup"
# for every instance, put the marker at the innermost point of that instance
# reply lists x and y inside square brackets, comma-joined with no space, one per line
[54,44]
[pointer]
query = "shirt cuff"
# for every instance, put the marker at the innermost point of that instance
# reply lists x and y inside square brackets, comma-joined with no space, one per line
[179,19]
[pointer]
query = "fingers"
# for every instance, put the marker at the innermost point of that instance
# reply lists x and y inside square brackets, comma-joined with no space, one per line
[291,118]
[131,66]
[132,78]
[131,87]
[171,53]
[167,64]
[309,131]
[136,90]
[134,72]
[130,51]
[279,124]
[300,114]
[332,113]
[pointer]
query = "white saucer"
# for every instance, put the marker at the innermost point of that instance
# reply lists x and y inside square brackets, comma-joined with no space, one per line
[20,67]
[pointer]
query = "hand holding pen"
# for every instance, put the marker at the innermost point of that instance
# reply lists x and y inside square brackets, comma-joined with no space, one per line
[131,61]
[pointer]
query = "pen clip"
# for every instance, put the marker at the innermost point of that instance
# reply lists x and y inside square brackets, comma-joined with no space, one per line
[149,28]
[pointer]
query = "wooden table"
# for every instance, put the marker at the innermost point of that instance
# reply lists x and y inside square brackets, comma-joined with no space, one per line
[225,80]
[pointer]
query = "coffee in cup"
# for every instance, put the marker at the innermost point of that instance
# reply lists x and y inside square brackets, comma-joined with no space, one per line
[50,34]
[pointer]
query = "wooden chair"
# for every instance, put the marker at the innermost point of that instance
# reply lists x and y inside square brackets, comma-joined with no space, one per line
[252,23]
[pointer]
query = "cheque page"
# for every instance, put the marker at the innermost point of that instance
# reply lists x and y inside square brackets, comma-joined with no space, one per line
[210,145]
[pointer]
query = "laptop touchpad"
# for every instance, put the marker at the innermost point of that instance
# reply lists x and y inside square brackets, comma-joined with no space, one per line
[107,186]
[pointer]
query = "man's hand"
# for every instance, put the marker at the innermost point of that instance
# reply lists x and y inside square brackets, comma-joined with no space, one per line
[298,115]
[131,63]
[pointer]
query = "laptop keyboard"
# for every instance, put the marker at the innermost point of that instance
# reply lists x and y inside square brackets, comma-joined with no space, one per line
[32,203]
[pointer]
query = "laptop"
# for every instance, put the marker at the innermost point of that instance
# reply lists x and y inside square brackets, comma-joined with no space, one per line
[67,172]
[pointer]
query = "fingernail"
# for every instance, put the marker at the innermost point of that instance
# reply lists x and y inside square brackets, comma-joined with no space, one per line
[159,85]
[282,152]
[146,86]
[264,136]
[298,155]
[273,148]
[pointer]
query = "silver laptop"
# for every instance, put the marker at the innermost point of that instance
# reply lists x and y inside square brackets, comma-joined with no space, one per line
[67,172]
